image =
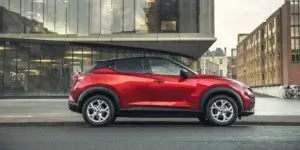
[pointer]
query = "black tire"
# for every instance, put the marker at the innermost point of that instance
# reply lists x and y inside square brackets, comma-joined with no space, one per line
[203,120]
[210,117]
[111,115]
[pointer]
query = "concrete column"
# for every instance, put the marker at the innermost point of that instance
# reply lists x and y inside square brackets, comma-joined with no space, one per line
[207,17]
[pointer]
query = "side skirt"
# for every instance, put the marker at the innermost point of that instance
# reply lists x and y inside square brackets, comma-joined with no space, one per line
[158,112]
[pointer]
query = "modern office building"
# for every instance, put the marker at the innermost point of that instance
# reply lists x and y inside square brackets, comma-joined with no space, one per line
[43,43]
[270,55]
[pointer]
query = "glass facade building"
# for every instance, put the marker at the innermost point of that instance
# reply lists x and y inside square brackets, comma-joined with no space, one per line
[43,43]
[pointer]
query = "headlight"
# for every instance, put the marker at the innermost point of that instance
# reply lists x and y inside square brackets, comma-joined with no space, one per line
[237,82]
[246,88]
[248,91]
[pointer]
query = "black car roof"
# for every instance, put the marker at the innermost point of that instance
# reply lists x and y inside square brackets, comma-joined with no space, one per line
[107,61]
[137,57]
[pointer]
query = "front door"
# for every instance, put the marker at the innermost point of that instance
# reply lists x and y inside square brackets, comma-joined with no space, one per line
[168,88]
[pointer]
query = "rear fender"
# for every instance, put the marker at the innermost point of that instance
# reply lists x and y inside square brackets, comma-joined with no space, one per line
[98,90]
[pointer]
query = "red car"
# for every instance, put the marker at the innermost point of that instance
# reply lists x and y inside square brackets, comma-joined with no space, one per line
[156,87]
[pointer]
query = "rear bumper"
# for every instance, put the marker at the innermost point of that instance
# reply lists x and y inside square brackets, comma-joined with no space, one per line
[73,106]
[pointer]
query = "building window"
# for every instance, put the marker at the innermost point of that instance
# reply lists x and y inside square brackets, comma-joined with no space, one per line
[117,24]
[72,16]
[295,31]
[187,22]
[271,25]
[61,16]
[221,61]
[295,44]
[296,57]
[146,16]
[221,72]
[129,15]
[168,26]
[294,8]
[106,16]
[95,16]
[168,13]
[83,17]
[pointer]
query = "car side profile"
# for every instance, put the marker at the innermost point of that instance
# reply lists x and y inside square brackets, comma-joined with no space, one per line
[157,87]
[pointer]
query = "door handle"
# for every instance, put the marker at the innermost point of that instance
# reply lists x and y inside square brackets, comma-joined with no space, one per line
[158,81]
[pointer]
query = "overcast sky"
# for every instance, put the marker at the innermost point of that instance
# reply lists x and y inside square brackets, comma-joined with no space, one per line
[240,16]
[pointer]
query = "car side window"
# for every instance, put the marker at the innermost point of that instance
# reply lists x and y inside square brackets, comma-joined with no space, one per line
[129,65]
[164,67]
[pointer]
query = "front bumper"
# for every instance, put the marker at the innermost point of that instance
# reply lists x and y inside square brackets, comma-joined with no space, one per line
[250,110]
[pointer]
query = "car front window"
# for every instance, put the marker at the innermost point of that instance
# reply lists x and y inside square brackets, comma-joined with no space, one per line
[164,67]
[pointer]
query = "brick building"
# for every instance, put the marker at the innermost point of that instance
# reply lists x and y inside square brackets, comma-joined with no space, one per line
[270,55]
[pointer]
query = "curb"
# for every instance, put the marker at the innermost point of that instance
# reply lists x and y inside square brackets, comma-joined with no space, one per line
[144,123]
[269,123]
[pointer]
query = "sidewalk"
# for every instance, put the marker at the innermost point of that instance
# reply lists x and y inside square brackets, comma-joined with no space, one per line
[268,111]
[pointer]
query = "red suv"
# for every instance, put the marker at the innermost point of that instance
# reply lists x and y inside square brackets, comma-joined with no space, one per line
[156,87]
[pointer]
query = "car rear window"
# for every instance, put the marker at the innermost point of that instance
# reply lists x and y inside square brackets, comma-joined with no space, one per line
[97,65]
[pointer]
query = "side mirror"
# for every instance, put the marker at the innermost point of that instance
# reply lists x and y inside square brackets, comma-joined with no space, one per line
[184,73]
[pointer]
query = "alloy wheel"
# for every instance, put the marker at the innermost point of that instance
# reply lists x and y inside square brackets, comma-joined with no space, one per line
[222,111]
[98,111]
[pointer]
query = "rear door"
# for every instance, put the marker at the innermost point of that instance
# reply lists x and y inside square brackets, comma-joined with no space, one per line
[130,83]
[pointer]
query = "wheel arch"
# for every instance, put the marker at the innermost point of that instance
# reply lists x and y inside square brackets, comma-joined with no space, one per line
[98,90]
[220,91]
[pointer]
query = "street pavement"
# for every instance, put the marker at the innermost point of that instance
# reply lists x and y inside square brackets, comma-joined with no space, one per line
[154,137]
[268,110]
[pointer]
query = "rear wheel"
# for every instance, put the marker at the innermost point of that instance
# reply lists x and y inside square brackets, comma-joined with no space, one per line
[221,111]
[98,111]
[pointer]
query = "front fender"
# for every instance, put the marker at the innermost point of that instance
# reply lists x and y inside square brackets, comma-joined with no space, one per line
[220,90]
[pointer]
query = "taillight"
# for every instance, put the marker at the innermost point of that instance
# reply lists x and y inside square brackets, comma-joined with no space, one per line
[77,78]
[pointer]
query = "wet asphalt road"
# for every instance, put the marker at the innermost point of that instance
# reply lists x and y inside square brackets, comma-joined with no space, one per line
[152,137]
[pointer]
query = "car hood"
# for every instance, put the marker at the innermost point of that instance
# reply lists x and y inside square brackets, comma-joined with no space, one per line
[237,82]
[222,78]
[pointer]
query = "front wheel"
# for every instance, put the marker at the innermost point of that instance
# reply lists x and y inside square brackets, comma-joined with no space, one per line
[221,111]
[98,111]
